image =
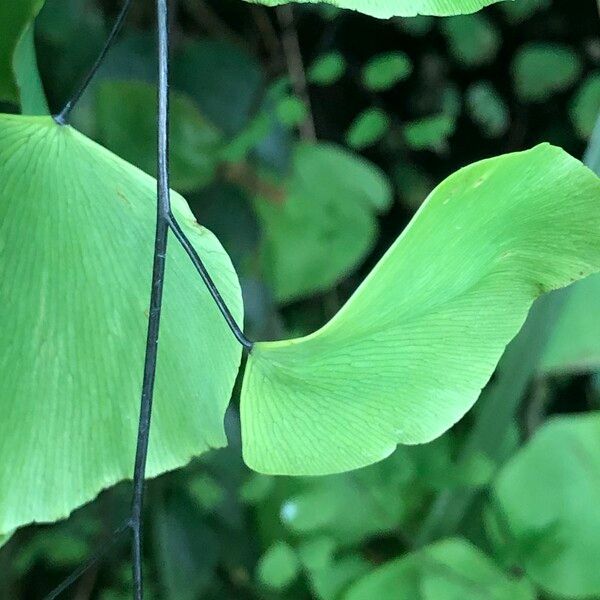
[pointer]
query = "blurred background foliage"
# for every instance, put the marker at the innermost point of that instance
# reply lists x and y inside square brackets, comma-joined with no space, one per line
[504,506]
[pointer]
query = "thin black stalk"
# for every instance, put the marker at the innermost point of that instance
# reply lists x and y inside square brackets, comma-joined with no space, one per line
[62,118]
[89,563]
[158,276]
[210,284]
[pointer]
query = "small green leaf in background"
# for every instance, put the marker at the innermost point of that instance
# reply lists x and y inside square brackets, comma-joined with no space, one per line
[384,9]
[77,324]
[15,17]
[521,10]
[429,133]
[585,106]
[409,353]
[472,39]
[541,69]
[487,109]
[367,128]
[126,124]
[291,111]
[384,71]
[549,497]
[327,69]
[328,208]
[452,569]
[417,26]
[278,566]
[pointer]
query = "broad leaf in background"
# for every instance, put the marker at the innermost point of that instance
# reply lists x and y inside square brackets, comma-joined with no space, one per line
[585,106]
[574,346]
[384,9]
[452,569]
[224,80]
[409,353]
[384,71]
[328,208]
[487,109]
[472,39]
[75,262]
[542,69]
[549,500]
[15,17]
[126,125]
[367,128]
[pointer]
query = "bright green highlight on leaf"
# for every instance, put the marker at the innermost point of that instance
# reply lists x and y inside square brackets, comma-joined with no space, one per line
[367,128]
[542,69]
[384,71]
[585,106]
[550,506]
[126,121]
[452,569]
[409,353]
[77,231]
[384,9]
[15,16]
[328,208]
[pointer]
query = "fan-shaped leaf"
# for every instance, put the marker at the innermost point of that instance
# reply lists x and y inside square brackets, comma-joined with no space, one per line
[328,209]
[452,569]
[76,239]
[384,9]
[550,504]
[408,354]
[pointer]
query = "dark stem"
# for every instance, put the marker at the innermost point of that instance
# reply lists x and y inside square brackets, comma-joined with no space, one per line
[163,210]
[208,281]
[62,118]
[86,566]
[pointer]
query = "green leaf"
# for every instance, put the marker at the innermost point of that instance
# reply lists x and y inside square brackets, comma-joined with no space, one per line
[549,497]
[328,209]
[408,354]
[417,26]
[429,133]
[291,111]
[473,40]
[225,81]
[278,567]
[384,9]
[585,106]
[327,69]
[27,76]
[384,71]
[488,109]
[126,119]
[367,128]
[523,9]
[15,17]
[452,569]
[574,346]
[75,262]
[542,69]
